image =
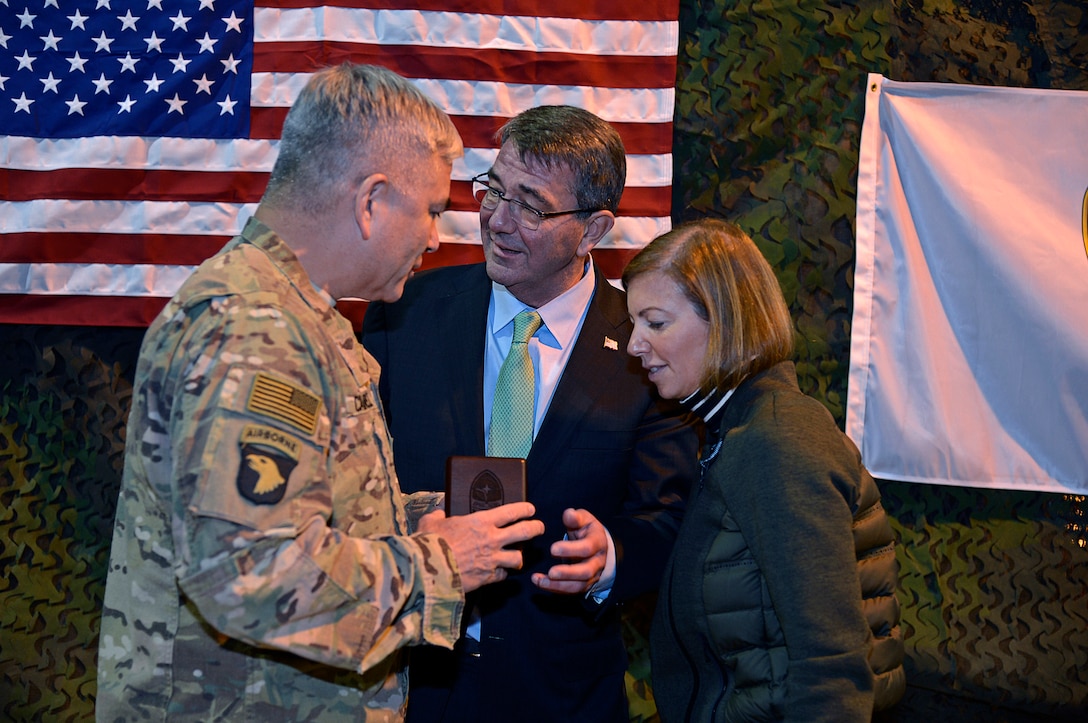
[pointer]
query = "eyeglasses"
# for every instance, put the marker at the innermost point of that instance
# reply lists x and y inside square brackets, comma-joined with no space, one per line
[523,214]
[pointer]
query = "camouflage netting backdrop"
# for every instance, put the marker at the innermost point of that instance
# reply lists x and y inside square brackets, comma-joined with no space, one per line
[994,585]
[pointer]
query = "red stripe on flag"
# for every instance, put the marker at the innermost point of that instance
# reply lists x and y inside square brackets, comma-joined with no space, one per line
[80,310]
[108,248]
[476,64]
[89,248]
[479,131]
[123,184]
[140,311]
[235,187]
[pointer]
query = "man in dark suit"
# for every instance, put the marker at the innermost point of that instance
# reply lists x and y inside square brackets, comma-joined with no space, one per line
[610,463]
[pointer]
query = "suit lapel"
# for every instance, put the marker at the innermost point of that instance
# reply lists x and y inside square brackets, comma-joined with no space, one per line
[592,364]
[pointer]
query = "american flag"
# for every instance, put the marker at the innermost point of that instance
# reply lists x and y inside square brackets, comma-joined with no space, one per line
[137,135]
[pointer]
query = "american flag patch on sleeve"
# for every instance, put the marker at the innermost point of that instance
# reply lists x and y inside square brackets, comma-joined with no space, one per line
[285,402]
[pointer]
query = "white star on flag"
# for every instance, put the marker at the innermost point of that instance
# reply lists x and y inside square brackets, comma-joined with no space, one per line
[102,85]
[50,41]
[75,105]
[180,21]
[176,104]
[227,106]
[50,84]
[102,42]
[22,103]
[128,22]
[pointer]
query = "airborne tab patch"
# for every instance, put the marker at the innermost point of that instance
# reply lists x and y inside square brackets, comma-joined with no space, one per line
[285,402]
[268,458]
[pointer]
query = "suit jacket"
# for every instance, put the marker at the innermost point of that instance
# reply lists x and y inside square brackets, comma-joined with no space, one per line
[607,444]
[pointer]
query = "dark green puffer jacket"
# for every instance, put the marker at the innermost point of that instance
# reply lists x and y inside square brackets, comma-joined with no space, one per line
[779,600]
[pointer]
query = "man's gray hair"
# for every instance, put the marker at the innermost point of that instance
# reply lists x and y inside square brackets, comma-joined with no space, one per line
[348,122]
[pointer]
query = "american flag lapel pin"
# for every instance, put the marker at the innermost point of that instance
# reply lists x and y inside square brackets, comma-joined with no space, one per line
[610,343]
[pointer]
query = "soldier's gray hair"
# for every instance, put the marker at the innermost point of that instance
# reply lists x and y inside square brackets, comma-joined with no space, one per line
[350,121]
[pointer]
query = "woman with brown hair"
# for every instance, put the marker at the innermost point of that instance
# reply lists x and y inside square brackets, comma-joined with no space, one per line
[778,602]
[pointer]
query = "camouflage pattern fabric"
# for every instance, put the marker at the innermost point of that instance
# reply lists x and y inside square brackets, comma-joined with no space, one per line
[260,566]
[994,584]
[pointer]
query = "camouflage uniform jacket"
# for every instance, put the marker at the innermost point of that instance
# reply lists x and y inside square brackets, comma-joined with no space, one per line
[261,567]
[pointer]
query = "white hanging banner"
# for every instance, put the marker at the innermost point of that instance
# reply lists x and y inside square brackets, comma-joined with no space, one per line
[969,344]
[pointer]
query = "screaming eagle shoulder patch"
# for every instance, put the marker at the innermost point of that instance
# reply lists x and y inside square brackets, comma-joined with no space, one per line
[268,458]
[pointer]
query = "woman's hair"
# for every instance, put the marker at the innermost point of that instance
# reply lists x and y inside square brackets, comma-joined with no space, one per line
[349,121]
[732,287]
[563,136]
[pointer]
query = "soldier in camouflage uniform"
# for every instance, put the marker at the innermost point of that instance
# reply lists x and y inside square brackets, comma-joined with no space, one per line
[264,565]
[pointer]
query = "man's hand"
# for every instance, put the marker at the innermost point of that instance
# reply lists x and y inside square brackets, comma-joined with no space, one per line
[586,547]
[479,540]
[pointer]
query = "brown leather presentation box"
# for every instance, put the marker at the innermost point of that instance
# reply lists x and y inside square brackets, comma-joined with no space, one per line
[480,483]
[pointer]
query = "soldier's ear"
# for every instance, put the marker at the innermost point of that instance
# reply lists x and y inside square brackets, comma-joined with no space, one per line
[369,198]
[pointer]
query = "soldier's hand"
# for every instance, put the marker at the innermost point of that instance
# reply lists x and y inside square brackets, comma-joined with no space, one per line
[586,549]
[479,540]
